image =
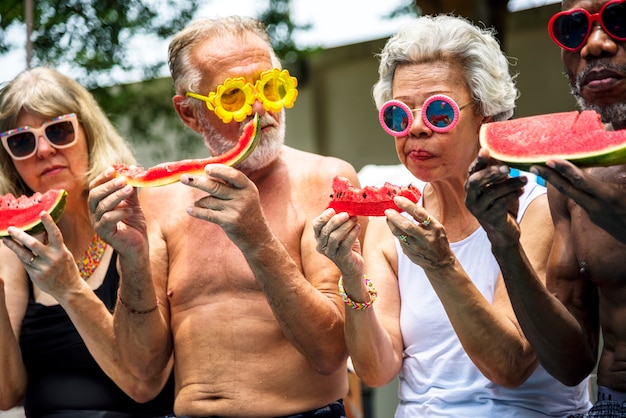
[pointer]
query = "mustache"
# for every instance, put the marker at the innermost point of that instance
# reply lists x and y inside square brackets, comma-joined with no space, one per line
[601,64]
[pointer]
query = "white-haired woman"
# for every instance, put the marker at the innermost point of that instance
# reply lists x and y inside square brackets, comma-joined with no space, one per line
[426,302]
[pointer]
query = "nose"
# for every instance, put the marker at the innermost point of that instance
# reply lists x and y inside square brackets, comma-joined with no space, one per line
[418,127]
[257,107]
[599,44]
[43,147]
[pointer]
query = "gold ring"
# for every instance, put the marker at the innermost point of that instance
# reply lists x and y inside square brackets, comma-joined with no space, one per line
[404,238]
[427,221]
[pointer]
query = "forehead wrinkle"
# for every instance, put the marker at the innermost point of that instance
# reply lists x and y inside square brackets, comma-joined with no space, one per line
[244,56]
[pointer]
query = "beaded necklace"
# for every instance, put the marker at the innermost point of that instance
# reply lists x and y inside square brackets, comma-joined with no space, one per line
[92,256]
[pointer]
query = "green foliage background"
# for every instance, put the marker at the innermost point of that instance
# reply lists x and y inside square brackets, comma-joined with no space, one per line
[93,36]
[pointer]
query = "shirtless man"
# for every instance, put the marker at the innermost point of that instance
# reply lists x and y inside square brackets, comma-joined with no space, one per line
[249,308]
[586,272]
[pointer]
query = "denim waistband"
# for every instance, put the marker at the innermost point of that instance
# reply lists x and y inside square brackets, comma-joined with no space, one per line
[95,414]
[606,394]
[332,410]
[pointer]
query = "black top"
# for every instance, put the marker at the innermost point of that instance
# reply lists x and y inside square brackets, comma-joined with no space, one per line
[62,374]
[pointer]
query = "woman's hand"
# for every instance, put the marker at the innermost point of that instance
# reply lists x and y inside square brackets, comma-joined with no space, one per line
[48,262]
[424,242]
[337,238]
[116,214]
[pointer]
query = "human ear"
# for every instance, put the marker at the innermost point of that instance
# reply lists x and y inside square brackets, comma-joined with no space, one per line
[186,112]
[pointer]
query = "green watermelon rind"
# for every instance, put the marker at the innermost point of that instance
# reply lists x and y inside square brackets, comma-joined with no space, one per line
[167,173]
[608,156]
[55,208]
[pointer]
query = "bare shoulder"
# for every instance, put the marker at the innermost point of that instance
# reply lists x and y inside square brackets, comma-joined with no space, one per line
[304,179]
[318,169]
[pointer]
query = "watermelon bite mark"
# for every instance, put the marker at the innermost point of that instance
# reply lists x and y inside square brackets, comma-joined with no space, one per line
[368,201]
[23,212]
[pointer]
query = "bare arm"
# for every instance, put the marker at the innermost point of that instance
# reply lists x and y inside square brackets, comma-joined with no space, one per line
[13,301]
[139,324]
[521,251]
[372,335]
[561,320]
[488,332]
[54,272]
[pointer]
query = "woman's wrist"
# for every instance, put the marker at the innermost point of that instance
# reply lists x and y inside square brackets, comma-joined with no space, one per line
[359,306]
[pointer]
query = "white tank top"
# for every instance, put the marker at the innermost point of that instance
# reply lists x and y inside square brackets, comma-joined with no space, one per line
[437,378]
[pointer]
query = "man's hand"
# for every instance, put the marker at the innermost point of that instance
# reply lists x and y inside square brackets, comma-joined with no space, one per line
[493,198]
[605,203]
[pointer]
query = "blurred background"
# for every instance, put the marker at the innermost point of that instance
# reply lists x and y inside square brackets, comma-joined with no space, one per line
[118,48]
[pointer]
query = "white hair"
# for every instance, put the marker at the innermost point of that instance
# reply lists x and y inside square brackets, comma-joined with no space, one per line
[452,39]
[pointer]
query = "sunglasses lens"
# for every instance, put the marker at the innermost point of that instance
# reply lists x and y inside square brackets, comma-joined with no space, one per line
[396,119]
[60,133]
[614,20]
[22,144]
[232,100]
[439,113]
[570,30]
[274,90]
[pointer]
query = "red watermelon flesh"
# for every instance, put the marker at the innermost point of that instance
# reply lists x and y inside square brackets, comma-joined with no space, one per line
[579,137]
[171,172]
[23,211]
[368,201]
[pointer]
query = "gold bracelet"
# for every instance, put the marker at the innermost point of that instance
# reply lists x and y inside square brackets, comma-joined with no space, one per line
[359,306]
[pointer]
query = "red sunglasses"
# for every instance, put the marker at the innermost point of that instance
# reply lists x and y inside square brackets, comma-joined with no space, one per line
[570,29]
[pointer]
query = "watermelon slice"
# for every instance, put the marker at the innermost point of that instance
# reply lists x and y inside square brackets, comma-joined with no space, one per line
[579,137]
[167,173]
[23,211]
[368,201]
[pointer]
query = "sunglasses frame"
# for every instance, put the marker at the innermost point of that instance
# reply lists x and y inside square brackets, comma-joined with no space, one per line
[591,19]
[38,132]
[456,109]
[252,92]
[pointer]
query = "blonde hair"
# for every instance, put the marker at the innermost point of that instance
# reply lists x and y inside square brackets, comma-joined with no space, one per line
[46,93]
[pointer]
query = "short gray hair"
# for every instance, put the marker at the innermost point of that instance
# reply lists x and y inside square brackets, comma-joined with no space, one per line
[452,39]
[185,76]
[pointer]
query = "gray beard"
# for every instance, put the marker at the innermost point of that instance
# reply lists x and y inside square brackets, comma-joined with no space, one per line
[615,113]
[266,151]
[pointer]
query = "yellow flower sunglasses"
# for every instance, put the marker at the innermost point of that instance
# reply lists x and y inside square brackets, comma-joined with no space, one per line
[234,99]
